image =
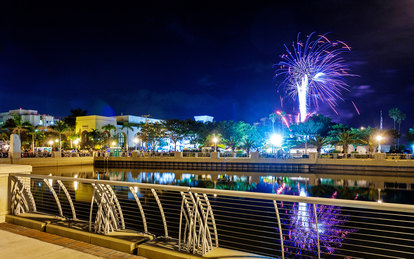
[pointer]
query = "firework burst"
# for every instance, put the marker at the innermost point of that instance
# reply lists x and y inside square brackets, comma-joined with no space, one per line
[314,71]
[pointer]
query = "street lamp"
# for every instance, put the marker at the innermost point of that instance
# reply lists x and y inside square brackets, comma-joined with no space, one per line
[379,138]
[136,140]
[76,142]
[215,140]
[50,143]
[276,140]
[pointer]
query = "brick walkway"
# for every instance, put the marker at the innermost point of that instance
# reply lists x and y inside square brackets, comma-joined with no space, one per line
[62,242]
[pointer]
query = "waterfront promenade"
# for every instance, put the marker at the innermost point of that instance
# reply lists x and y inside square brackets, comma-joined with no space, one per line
[21,242]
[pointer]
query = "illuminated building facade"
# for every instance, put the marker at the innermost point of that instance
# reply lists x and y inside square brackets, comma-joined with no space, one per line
[31,116]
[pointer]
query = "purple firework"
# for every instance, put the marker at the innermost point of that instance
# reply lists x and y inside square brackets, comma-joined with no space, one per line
[314,70]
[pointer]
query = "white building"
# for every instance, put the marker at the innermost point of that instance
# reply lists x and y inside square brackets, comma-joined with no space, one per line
[31,116]
[204,118]
[125,135]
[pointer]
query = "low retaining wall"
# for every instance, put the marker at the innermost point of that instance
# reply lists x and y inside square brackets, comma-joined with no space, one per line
[206,165]
[257,165]
[49,161]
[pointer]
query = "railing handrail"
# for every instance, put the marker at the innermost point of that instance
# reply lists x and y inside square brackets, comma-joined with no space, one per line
[396,207]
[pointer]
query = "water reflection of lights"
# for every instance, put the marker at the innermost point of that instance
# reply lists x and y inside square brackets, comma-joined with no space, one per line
[303,212]
[75,183]
[50,180]
[164,178]
[281,188]
[187,176]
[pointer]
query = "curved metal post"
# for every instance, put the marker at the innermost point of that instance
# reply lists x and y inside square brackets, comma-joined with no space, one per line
[212,218]
[55,196]
[141,210]
[280,228]
[121,215]
[164,221]
[19,203]
[72,207]
[186,212]
[91,210]
[317,229]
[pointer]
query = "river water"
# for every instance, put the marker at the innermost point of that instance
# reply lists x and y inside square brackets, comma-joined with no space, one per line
[359,186]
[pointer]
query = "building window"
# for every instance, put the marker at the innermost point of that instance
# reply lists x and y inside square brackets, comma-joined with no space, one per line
[121,140]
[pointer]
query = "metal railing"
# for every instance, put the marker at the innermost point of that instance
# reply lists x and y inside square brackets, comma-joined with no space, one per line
[197,220]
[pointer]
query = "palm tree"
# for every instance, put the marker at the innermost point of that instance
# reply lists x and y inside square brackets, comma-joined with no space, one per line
[60,127]
[232,143]
[109,128]
[345,138]
[248,144]
[33,132]
[401,116]
[319,142]
[20,124]
[394,113]
[307,130]
[127,126]
[370,141]
[273,118]
[95,136]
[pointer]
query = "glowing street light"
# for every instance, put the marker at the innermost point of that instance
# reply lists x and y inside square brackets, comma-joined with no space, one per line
[276,140]
[50,143]
[136,140]
[379,139]
[215,140]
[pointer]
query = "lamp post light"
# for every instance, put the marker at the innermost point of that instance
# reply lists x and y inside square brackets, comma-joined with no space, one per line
[136,140]
[215,140]
[379,139]
[276,140]
[51,143]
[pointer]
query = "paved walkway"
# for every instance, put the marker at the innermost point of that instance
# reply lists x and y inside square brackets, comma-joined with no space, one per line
[20,242]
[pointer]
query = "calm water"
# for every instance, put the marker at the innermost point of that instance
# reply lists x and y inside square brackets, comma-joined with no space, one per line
[361,187]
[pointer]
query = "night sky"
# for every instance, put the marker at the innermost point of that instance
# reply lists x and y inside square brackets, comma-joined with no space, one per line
[176,59]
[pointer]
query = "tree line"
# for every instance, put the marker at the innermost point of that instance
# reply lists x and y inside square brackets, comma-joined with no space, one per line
[318,131]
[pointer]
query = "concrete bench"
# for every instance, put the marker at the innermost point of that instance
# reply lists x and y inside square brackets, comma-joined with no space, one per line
[124,241]
[26,222]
